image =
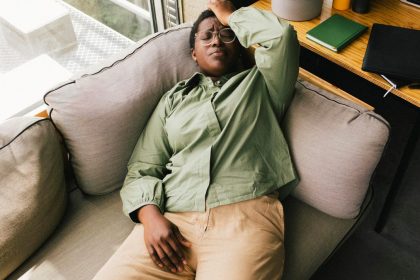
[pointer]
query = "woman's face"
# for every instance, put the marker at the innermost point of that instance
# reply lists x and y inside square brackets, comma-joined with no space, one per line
[217,58]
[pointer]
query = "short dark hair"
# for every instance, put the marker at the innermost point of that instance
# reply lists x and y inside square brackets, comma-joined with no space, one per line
[205,14]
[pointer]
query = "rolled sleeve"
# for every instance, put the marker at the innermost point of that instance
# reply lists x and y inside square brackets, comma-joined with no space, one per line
[277,54]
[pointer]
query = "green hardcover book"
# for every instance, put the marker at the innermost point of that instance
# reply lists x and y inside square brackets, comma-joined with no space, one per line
[336,32]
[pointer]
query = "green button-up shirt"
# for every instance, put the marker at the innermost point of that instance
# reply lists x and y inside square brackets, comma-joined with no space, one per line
[215,143]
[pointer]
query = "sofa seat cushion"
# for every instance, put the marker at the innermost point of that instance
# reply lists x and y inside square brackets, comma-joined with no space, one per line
[311,237]
[92,229]
[102,114]
[32,188]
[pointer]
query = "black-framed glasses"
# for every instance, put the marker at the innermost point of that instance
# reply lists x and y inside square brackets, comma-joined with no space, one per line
[226,35]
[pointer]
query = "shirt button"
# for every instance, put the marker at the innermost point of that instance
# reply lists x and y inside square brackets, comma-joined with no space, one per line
[218,83]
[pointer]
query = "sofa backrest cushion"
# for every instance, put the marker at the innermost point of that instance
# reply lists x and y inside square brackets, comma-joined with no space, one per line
[101,115]
[32,188]
[336,146]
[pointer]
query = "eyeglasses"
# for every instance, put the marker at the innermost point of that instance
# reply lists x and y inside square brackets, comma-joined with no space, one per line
[226,35]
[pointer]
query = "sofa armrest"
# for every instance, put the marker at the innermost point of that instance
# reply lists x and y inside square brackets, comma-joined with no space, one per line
[33,195]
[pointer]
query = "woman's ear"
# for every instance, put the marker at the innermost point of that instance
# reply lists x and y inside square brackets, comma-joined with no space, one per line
[193,55]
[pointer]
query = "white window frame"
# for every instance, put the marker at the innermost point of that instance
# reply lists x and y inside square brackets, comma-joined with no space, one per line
[161,13]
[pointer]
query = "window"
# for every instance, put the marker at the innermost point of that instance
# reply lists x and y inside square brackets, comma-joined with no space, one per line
[67,36]
[131,18]
[134,19]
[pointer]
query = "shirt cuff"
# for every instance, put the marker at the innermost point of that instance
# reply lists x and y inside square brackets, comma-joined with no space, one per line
[134,214]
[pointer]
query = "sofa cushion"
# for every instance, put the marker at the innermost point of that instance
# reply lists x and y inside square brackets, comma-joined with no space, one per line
[32,188]
[311,236]
[336,146]
[94,228]
[101,115]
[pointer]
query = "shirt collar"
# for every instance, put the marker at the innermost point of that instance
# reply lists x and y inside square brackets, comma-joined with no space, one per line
[199,78]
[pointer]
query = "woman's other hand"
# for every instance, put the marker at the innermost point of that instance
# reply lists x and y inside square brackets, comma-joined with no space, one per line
[222,9]
[163,239]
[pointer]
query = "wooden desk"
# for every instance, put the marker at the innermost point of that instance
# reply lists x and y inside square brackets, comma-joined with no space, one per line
[391,12]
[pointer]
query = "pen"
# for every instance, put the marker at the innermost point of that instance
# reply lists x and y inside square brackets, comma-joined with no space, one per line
[393,86]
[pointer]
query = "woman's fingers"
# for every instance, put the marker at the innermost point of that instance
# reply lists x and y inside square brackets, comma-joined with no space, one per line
[163,254]
[165,243]
[154,256]
[168,253]
[177,247]
[174,253]
[222,9]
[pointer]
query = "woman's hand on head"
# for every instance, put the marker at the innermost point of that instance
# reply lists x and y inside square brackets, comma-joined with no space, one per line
[222,9]
[163,239]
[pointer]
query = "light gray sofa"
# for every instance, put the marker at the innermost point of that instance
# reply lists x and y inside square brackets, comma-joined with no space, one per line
[60,213]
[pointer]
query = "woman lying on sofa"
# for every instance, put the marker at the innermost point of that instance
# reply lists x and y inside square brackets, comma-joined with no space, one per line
[204,178]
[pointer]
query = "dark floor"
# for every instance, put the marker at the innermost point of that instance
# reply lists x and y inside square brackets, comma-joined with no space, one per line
[404,219]
[386,245]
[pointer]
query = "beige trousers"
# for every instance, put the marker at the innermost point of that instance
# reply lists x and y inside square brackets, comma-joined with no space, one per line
[240,241]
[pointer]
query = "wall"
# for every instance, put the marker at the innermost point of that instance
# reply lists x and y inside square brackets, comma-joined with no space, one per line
[192,8]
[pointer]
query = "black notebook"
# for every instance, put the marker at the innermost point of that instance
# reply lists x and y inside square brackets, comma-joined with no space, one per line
[393,52]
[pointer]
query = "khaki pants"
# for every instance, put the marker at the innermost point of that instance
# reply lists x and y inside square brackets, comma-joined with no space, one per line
[241,241]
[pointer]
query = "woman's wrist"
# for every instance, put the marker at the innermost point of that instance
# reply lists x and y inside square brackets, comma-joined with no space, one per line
[222,9]
[148,213]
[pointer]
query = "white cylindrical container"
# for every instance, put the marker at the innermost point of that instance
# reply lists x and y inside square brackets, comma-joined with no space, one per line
[297,10]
